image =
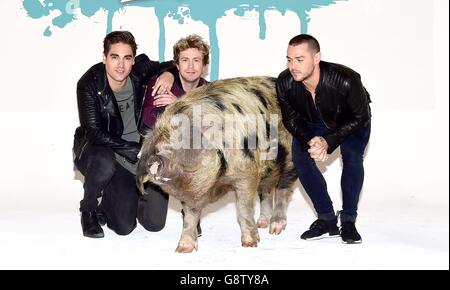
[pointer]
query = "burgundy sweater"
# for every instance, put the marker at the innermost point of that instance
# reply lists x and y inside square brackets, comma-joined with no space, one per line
[149,111]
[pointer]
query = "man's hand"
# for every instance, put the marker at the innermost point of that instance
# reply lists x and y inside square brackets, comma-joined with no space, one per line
[163,83]
[318,149]
[165,99]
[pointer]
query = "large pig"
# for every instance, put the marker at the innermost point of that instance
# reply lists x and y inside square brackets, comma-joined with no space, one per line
[223,137]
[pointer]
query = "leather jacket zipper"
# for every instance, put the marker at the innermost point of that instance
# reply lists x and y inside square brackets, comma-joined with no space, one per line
[109,122]
[82,149]
[320,113]
[141,112]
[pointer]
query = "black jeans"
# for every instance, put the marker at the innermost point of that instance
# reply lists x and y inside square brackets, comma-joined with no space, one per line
[121,200]
[352,151]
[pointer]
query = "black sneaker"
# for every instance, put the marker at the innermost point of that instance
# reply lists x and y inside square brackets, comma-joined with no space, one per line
[349,234]
[90,225]
[321,229]
[199,229]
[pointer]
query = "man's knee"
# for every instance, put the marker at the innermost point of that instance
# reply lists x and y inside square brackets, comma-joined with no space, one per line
[122,227]
[152,221]
[152,209]
[99,161]
[152,226]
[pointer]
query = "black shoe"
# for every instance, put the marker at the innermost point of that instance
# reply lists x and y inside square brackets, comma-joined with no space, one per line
[199,229]
[349,234]
[321,229]
[101,217]
[90,225]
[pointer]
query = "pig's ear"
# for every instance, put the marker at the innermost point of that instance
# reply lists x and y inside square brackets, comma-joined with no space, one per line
[148,147]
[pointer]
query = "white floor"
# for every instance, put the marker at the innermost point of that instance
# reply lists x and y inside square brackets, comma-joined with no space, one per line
[403,211]
[404,208]
[393,238]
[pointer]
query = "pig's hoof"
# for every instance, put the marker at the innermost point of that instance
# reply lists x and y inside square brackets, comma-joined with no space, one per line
[276,227]
[263,222]
[250,242]
[186,245]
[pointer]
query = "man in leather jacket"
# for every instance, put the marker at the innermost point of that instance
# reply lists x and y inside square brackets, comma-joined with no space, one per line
[324,106]
[110,96]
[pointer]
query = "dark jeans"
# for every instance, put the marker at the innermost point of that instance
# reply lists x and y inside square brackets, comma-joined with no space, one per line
[352,151]
[121,200]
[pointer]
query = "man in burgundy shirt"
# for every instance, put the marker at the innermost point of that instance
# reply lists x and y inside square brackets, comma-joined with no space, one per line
[191,56]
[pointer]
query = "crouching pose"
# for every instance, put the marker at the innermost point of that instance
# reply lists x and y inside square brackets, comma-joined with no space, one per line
[191,56]
[110,97]
[325,106]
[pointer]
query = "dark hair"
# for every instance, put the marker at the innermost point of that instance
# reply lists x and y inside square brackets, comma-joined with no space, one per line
[306,38]
[119,37]
[191,41]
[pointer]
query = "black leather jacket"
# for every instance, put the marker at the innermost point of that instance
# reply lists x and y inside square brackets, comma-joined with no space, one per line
[100,120]
[341,100]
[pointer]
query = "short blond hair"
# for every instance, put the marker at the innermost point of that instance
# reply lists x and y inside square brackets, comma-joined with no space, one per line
[191,41]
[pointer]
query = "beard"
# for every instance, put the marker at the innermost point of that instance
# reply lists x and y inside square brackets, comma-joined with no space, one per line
[303,76]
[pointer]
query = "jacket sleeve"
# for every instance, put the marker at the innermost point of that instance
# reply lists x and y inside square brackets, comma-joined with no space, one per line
[91,120]
[292,119]
[148,68]
[358,103]
[148,109]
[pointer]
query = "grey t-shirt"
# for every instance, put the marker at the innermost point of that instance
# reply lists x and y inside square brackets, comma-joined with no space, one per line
[125,101]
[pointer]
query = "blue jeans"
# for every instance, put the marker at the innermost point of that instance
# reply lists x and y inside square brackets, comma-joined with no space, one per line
[352,151]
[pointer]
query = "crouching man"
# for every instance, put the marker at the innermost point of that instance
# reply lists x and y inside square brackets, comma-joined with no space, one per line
[110,96]
[191,56]
[325,106]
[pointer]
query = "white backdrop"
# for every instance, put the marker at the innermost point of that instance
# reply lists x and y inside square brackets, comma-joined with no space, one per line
[400,48]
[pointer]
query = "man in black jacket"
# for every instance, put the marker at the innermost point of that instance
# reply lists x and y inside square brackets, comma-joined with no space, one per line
[324,106]
[110,97]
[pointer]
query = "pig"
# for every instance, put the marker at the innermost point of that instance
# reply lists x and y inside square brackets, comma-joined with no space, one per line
[224,137]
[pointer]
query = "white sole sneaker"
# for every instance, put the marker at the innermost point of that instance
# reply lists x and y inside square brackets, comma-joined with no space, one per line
[324,236]
[351,242]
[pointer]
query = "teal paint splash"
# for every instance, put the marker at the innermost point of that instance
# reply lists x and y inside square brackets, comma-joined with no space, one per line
[206,11]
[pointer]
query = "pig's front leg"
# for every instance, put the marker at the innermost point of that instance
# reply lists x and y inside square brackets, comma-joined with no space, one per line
[188,240]
[246,211]
[278,221]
